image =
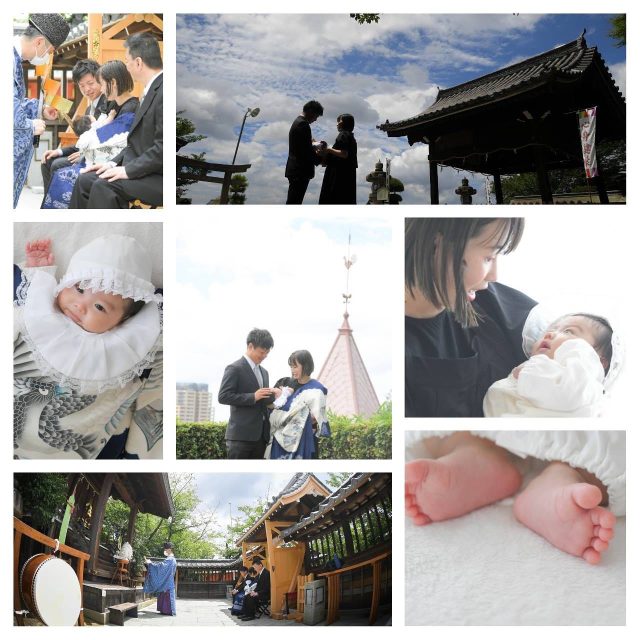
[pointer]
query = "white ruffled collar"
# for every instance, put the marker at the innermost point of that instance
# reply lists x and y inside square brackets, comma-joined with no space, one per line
[88,362]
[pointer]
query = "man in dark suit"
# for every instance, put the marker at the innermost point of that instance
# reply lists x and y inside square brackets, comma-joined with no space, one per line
[302,158]
[261,594]
[136,172]
[85,75]
[245,387]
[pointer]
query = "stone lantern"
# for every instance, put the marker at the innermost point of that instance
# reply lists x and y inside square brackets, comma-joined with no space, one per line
[378,180]
[465,192]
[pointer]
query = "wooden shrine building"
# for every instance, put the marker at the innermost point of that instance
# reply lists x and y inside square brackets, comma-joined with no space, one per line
[354,525]
[520,119]
[101,37]
[302,494]
[87,501]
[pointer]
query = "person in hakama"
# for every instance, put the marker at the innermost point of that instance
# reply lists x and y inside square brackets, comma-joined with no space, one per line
[46,32]
[161,580]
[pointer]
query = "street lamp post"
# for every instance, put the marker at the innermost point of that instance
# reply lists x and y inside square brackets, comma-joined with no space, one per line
[250,112]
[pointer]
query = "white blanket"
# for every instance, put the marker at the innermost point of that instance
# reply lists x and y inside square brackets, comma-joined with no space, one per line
[485,568]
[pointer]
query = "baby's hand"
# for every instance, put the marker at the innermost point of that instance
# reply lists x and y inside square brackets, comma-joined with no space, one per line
[516,370]
[38,253]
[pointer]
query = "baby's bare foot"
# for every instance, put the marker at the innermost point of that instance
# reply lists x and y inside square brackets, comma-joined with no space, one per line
[565,511]
[469,477]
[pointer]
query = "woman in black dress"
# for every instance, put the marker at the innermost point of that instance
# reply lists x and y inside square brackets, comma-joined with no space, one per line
[463,331]
[339,182]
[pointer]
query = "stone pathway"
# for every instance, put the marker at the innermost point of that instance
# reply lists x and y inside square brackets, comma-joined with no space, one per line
[215,613]
[198,613]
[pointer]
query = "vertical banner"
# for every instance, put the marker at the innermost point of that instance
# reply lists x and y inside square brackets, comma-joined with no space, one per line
[587,124]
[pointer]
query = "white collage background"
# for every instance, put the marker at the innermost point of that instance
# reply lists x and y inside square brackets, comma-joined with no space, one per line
[596,253]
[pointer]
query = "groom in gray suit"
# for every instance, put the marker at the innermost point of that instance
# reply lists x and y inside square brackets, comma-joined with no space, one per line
[245,387]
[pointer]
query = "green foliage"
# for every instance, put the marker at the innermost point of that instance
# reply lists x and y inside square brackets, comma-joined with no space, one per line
[337,479]
[186,129]
[395,185]
[368,18]
[352,438]
[611,164]
[42,495]
[238,186]
[619,30]
[251,513]
[192,529]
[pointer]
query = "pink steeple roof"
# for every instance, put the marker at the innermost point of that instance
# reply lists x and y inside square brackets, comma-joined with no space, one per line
[345,376]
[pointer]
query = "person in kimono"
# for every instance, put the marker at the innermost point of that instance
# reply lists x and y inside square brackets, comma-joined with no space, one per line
[46,32]
[463,330]
[297,424]
[161,580]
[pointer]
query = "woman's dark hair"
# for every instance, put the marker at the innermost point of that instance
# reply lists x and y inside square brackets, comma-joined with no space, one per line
[348,121]
[144,46]
[83,68]
[434,249]
[304,359]
[116,70]
[260,338]
[243,568]
[603,335]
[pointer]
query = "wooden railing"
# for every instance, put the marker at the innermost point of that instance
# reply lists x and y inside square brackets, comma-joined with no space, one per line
[333,587]
[22,529]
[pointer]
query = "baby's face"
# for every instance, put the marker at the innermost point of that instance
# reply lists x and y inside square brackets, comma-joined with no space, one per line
[94,311]
[562,330]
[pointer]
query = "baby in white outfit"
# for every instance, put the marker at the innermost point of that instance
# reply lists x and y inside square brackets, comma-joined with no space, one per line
[564,377]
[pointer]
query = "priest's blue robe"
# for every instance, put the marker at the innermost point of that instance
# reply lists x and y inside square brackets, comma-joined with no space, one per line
[160,580]
[25,110]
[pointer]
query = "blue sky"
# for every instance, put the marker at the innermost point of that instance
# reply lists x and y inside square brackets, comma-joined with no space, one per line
[227,63]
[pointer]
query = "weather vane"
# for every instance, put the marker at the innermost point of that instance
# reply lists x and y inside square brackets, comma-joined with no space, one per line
[349,261]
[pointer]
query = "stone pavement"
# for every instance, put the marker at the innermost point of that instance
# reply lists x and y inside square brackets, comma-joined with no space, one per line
[198,612]
[215,613]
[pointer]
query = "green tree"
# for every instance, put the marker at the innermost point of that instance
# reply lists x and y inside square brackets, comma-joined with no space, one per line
[238,187]
[239,525]
[368,18]
[619,29]
[611,165]
[42,495]
[193,529]
[185,129]
[395,187]
[337,479]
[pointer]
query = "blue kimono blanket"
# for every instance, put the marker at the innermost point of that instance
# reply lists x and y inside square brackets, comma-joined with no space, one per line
[292,434]
[160,579]
[98,145]
[25,110]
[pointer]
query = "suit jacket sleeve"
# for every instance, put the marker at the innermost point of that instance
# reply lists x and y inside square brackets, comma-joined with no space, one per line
[303,144]
[228,393]
[151,160]
[264,588]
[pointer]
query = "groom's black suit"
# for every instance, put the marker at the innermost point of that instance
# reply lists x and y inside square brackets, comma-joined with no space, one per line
[302,160]
[142,159]
[248,428]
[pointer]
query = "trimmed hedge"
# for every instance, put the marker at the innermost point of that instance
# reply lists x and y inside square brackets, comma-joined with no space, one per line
[352,438]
